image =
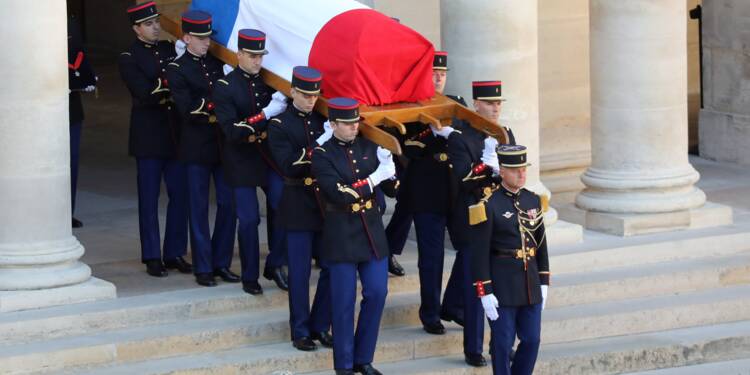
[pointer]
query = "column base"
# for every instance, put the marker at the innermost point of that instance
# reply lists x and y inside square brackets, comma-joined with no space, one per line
[563,233]
[91,290]
[708,215]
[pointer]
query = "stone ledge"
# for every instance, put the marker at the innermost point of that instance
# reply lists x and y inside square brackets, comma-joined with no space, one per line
[91,290]
[708,215]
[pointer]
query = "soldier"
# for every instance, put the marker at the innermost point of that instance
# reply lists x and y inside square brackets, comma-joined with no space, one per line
[243,103]
[292,137]
[509,263]
[153,143]
[81,78]
[192,79]
[348,170]
[440,75]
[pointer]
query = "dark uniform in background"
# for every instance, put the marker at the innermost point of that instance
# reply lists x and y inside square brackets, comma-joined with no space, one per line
[509,259]
[191,80]
[241,99]
[354,240]
[81,78]
[466,147]
[292,137]
[154,133]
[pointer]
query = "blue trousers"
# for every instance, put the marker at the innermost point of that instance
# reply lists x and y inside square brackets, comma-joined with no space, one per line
[75,157]
[302,320]
[453,298]
[397,230]
[248,216]
[275,232]
[150,174]
[215,251]
[473,313]
[350,347]
[430,229]
[525,322]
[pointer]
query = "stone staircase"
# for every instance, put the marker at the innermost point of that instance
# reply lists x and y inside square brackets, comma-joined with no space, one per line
[616,306]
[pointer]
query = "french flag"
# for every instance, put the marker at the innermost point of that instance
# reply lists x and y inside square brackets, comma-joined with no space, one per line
[362,53]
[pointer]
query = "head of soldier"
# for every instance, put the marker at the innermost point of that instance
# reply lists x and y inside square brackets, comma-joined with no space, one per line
[145,20]
[343,114]
[197,29]
[305,89]
[513,165]
[488,98]
[251,47]
[440,71]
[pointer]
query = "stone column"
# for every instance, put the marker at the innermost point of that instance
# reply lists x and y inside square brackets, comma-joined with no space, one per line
[498,40]
[640,179]
[39,263]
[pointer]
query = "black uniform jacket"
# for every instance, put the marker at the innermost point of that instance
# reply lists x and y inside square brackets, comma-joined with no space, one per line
[192,80]
[238,96]
[509,250]
[291,138]
[353,229]
[80,73]
[154,123]
[427,179]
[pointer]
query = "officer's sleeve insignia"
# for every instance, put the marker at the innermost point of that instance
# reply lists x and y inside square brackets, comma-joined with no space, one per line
[410,142]
[320,148]
[276,120]
[126,54]
[348,190]
[457,131]
[198,111]
[174,64]
[301,159]
[223,81]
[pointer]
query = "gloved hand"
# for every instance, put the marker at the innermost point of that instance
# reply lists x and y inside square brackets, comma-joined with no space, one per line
[444,131]
[386,169]
[276,106]
[89,88]
[179,48]
[489,154]
[490,305]
[327,133]
[544,295]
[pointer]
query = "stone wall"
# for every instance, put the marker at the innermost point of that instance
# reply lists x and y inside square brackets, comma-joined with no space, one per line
[725,119]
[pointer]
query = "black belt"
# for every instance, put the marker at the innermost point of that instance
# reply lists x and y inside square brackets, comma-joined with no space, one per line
[354,207]
[307,181]
[513,253]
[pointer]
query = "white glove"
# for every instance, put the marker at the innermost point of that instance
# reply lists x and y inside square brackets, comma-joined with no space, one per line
[327,133]
[179,48]
[228,69]
[89,88]
[386,169]
[276,106]
[489,155]
[490,305]
[444,131]
[544,295]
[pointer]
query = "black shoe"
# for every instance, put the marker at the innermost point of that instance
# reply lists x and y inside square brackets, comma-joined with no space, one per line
[252,287]
[448,317]
[344,372]
[178,264]
[394,267]
[227,275]
[434,328]
[366,369]
[476,360]
[155,268]
[305,344]
[77,223]
[325,339]
[205,279]
[278,276]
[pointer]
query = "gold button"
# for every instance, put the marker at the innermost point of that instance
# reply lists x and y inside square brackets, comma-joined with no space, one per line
[355,207]
[212,118]
[308,181]
[354,161]
[368,205]
[443,157]
[356,170]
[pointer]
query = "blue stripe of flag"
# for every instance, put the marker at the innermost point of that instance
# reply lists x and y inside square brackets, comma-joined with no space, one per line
[224,14]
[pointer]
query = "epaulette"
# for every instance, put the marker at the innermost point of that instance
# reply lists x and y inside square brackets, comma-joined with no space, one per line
[223,81]
[175,64]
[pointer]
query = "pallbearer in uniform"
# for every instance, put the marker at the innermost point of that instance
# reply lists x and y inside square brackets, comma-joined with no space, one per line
[292,137]
[154,132]
[348,170]
[192,79]
[243,103]
[510,266]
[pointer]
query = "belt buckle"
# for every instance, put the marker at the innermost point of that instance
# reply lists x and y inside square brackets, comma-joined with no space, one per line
[532,252]
[308,181]
[368,204]
[519,254]
[212,119]
[355,207]
[443,156]
[264,135]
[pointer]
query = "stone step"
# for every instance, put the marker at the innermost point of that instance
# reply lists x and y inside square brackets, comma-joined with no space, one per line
[409,351]
[736,367]
[562,324]
[568,289]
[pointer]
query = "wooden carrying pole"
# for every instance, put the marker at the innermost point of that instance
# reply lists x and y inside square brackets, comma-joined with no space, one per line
[438,111]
